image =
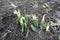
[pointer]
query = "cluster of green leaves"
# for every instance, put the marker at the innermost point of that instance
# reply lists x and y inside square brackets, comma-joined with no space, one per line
[34,22]
[44,25]
[24,20]
[47,7]
[21,20]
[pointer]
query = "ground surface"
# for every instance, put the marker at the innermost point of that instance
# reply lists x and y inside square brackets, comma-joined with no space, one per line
[9,30]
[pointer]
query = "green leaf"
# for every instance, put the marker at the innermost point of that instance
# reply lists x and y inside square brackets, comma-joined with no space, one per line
[22,29]
[47,26]
[15,12]
[43,19]
[35,22]
[43,24]
[25,25]
[26,18]
[33,28]
[22,26]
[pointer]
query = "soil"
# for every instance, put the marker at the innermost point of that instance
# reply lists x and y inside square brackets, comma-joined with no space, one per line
[10,30]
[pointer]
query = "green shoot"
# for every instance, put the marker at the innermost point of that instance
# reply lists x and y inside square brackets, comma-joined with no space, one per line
[18,13]
[47,7]
[33,28]
[22,20]
[35,20]
[43,24]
